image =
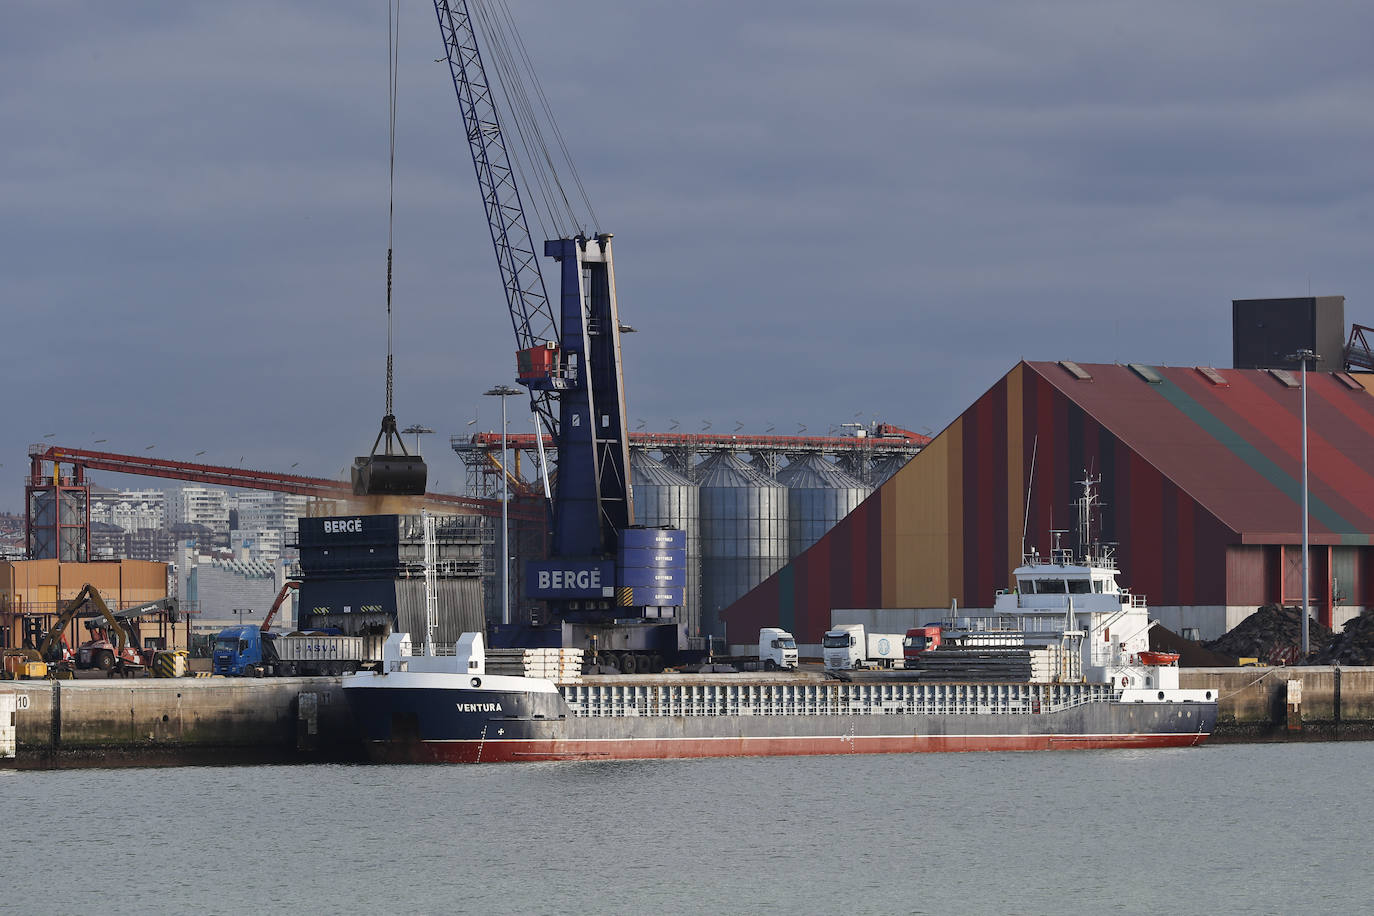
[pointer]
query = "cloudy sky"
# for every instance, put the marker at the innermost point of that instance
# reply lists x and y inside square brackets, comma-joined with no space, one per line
[823,211]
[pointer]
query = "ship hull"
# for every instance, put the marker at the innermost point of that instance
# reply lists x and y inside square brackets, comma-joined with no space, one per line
[454,725]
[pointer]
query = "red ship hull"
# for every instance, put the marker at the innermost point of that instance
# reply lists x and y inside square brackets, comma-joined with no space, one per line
[510,750]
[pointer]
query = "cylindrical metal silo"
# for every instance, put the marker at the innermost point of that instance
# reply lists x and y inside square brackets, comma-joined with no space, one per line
[818,495]
[884,468]
[765,464]
[743,533]
[665,497]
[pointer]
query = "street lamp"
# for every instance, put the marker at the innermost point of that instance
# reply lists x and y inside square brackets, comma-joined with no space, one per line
[418,430]
[241,611]
[503,392]
[1304,356]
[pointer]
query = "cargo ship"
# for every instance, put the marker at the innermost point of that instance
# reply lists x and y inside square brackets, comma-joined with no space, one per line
[1106,689]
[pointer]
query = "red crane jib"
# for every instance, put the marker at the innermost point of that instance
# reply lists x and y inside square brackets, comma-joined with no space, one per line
[247,478]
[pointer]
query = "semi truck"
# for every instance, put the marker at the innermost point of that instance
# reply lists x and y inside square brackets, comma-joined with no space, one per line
[249,652]
[850,645]
[777,650]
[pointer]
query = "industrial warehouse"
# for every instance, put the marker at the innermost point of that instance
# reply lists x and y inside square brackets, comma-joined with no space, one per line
[1201,470]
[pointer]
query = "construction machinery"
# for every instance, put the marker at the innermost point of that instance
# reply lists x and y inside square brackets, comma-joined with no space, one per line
[114,635]
[570,363]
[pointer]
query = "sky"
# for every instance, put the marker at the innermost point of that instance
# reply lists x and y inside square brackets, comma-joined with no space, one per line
[823,212]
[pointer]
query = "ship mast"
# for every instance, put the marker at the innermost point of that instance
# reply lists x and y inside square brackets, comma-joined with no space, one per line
[1084,506]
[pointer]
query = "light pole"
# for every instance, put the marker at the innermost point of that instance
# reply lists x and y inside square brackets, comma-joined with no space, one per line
[241,611]
[418,430]
[503,392]
[1304,356]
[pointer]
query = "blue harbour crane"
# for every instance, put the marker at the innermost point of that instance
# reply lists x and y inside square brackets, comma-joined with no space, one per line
[612,588]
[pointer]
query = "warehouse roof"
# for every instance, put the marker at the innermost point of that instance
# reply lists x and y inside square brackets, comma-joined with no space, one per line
[1232,440]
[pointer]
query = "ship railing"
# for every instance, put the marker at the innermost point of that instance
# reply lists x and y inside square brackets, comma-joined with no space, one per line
[418,650]
[1130,600]
[722,699]
[998,623]
[1065,557]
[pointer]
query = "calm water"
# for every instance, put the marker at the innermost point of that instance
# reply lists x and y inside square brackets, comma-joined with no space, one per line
[1250,828]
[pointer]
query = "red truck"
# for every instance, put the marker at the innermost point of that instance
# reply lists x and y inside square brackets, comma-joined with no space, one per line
[918,640]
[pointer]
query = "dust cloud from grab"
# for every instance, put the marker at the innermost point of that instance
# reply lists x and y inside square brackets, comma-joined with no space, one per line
[378,505]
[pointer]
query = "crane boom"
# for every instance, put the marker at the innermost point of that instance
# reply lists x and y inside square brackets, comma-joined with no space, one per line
[531,315]
[606,584]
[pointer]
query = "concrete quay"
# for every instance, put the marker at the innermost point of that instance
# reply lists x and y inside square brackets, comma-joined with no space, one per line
[180,721]
[1300,703]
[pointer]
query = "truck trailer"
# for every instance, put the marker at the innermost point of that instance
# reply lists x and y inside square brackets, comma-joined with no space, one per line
[849,646]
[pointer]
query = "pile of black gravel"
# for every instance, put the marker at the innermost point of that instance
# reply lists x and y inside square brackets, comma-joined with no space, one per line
[1354,646]
[1273,634]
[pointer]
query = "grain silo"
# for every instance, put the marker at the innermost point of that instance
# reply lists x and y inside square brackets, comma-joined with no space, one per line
[819,494]
[743,532]
[664,497]
[884,468]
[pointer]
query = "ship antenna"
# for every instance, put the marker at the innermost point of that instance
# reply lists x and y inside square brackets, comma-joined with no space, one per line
[1086,502]
[1030,486]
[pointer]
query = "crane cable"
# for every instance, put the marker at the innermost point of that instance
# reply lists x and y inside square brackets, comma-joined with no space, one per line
[393,54]
[525,159]
[512,63]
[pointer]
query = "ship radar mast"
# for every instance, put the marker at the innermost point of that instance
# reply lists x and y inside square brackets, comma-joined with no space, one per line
[1087,509]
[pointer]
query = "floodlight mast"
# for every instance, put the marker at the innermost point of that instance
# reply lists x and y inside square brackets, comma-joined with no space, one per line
[1304,356]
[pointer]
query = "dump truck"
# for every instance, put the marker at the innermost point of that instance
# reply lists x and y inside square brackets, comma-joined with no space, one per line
[246,651]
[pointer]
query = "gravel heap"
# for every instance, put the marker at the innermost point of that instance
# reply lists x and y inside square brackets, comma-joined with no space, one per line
[1354,646]
[1273,634]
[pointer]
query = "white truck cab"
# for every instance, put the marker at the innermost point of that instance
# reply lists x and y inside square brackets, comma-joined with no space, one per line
[777,648]
[842,647]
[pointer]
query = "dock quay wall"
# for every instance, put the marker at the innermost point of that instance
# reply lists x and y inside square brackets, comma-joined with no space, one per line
[1301,703]
[180,721]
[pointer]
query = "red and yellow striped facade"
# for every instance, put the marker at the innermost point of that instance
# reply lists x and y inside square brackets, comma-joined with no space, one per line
[1201,481]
